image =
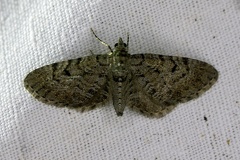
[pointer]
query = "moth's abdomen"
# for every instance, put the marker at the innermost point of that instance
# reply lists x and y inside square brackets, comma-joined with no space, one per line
[120,86]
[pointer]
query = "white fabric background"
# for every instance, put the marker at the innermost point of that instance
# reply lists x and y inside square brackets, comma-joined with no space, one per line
[34,33]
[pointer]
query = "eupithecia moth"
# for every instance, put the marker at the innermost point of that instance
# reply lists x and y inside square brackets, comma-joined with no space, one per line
[149,83]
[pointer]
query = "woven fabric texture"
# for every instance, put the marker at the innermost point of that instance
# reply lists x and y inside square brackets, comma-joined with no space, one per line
[40,32]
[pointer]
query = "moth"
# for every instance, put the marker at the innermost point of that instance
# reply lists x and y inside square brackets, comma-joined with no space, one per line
[149,83]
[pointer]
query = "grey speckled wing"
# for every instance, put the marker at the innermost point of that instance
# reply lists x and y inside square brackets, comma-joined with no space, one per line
[161,82]
[78,83]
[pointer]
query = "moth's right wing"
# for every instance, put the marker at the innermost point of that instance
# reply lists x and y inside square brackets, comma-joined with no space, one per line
[79,83]
[161,82]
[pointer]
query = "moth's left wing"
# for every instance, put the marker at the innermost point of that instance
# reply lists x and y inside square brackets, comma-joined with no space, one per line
[161,82]
[79,83]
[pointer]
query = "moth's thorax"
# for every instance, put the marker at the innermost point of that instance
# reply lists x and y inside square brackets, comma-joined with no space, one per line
[119,61]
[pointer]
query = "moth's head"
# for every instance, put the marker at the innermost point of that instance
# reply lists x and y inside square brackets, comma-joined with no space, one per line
[121,46]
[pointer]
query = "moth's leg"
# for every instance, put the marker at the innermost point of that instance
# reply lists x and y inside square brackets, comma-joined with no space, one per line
[91,52]
[127,40]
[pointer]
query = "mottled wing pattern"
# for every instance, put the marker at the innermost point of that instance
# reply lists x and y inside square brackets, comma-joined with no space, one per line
[161,82]
[79,83]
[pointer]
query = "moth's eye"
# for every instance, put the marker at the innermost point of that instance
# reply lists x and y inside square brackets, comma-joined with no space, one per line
[125,45]
[116,45]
